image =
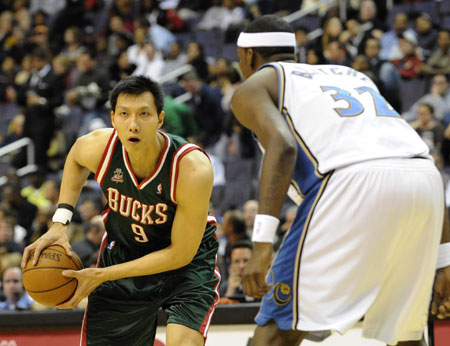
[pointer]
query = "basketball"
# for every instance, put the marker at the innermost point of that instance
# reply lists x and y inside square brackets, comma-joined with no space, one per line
[45,282]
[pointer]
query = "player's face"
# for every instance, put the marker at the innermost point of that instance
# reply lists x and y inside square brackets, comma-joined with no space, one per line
[136,120]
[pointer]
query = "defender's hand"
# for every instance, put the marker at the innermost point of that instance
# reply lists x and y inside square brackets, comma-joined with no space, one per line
[254,274]
[440,305]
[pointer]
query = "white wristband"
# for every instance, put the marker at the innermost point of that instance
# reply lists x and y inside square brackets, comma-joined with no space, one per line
[63,214]
[264,228]
[443,256]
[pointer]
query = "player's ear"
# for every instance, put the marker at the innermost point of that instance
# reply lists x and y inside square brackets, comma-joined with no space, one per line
[161,119]
[251,57]
[112,117]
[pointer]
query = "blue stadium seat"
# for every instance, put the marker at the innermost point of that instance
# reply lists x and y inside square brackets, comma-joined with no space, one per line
[411,90]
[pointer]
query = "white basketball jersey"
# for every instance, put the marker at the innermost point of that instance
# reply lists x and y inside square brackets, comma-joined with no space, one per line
[339,118]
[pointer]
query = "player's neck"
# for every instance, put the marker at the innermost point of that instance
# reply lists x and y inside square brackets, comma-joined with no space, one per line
[144,161]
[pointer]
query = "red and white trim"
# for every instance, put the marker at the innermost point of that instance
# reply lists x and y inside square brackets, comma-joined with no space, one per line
[161,161]
[177,156]
[211,220]
[106,159]
[207,321]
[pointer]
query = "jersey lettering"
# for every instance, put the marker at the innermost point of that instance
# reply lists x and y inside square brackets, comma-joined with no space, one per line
[134,210]
[160,209]
[125,205]
[146,214]
[113,198]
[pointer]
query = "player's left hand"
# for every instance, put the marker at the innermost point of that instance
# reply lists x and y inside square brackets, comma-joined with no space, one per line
[440,305]
[88,280]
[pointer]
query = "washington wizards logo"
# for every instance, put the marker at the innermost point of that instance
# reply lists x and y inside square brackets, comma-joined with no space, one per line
[159,189]
[282,293]
[118,176]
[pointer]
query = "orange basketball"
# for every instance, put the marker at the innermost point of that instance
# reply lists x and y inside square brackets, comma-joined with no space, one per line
[45,282]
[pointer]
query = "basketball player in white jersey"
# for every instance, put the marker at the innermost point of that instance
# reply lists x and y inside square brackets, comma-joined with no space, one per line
[365,241]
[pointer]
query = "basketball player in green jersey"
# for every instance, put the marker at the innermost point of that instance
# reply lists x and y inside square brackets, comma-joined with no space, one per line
[160,247]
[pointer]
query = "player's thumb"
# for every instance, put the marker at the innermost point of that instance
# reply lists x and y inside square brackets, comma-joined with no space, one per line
[69,273]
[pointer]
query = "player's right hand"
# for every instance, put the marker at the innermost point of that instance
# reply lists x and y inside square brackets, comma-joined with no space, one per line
[56,235]
[255,271]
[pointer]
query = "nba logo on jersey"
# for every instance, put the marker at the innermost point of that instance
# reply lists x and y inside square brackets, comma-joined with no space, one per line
[118,176]
[111,245]
[159,189]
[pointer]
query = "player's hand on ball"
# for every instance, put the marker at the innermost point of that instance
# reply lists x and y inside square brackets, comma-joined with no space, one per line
[56,235]
[254,273]
[88,280]
[440,305]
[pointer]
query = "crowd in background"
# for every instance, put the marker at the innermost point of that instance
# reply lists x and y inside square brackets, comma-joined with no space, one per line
[59,59]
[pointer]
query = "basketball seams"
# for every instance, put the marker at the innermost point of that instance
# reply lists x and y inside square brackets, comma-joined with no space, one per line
[54,288]
[38,268]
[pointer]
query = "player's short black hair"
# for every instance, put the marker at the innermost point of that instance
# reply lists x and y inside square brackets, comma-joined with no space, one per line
[270,23]
[136,85]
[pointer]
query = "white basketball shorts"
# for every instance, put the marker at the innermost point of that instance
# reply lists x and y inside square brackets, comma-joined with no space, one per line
[364,244]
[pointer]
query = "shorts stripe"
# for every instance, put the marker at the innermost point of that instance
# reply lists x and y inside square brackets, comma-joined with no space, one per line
[300,247]
[207,321]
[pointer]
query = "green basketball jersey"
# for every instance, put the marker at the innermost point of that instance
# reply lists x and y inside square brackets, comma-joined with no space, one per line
[139,214]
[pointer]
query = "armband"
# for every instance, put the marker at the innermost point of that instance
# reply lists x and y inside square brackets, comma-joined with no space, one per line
[264,228]
[63,214]
[443,256]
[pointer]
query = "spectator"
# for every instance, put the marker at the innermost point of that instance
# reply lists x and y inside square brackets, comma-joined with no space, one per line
[175,58]
[385,72]
[315,57]
[369,19]
[232,287]
[136,52]
[431,131]
[73,47]
[16,204]
[196,58]
[34,192]
[301,37]
[439,61]
[332,29]
[221,17]
[40,95]
[154,63]
[159,36]
[233,228]
[390,49]
[337,54]
[354,37]
[426,34]
[41,223]
[410,65]
[15,130]
[250,209]
[121,68]
[16,297]
[86,247]
[179,119]
[439,98]
[361,64]
[206,106]
[90,208]
[7,243]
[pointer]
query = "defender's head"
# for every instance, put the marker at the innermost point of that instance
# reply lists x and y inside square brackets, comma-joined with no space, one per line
[268,38]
